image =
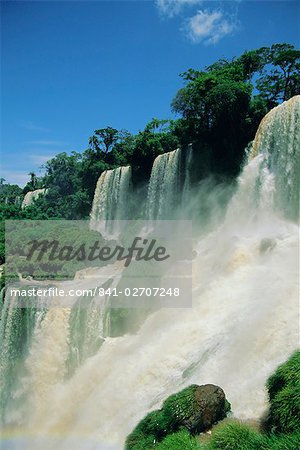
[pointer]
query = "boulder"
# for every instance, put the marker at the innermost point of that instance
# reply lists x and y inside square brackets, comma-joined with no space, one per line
[195,408]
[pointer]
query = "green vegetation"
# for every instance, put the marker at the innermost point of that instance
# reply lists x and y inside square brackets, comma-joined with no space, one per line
[284,394]
[160,430]
[188,412]
[237,436]
[179,441]
[223,105]
[152,429]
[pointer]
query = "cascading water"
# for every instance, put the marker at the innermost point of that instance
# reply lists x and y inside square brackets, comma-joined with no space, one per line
[17,201]
[280,152]
[242,325]
[169,182]
[111,200]
[31,196]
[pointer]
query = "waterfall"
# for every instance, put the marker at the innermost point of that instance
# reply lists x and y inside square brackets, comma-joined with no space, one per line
[279,150]
[16,330]
[164,185]
[31,196]
[169,183]
[243,323]
[187,183]
[49,344]
[17,200]
[111,200]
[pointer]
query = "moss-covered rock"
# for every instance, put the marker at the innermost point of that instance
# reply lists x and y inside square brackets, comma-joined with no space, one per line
[194,409]
[197,408]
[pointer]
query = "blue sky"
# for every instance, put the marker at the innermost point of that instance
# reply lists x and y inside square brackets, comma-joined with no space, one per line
[69,68]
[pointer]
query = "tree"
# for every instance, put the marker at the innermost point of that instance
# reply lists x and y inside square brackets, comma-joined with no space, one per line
[215,106]
[9,193]
[156,138]
[33,180]
[104,139]
[220,107]
[280,77]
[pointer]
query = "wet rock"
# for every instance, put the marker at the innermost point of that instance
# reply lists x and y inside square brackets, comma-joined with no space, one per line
[195,408]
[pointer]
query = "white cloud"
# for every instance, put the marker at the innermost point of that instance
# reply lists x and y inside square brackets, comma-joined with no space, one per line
[171,8]
[209,26]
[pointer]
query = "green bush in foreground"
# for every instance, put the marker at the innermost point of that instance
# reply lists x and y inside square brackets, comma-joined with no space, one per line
[150,430]
[235,436]
[286,374]
[282,442]
[285,410]
[194,409]
[284,394]
[181,440]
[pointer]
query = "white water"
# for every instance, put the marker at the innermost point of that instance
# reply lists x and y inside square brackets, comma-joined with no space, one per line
[111,200]
[280,150]
[31,196]
[243,323]
[169,183]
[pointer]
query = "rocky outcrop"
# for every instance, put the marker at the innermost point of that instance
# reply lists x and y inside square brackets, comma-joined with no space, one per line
[31,196]
[195,408]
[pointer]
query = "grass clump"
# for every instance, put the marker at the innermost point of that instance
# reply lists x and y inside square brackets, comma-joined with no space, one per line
[284,394]
[182,440]
[282,442]
[287,374]
[150,430]
[235,435]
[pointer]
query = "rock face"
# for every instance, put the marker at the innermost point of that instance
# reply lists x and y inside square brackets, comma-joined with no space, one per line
[31,196]
[195,408]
